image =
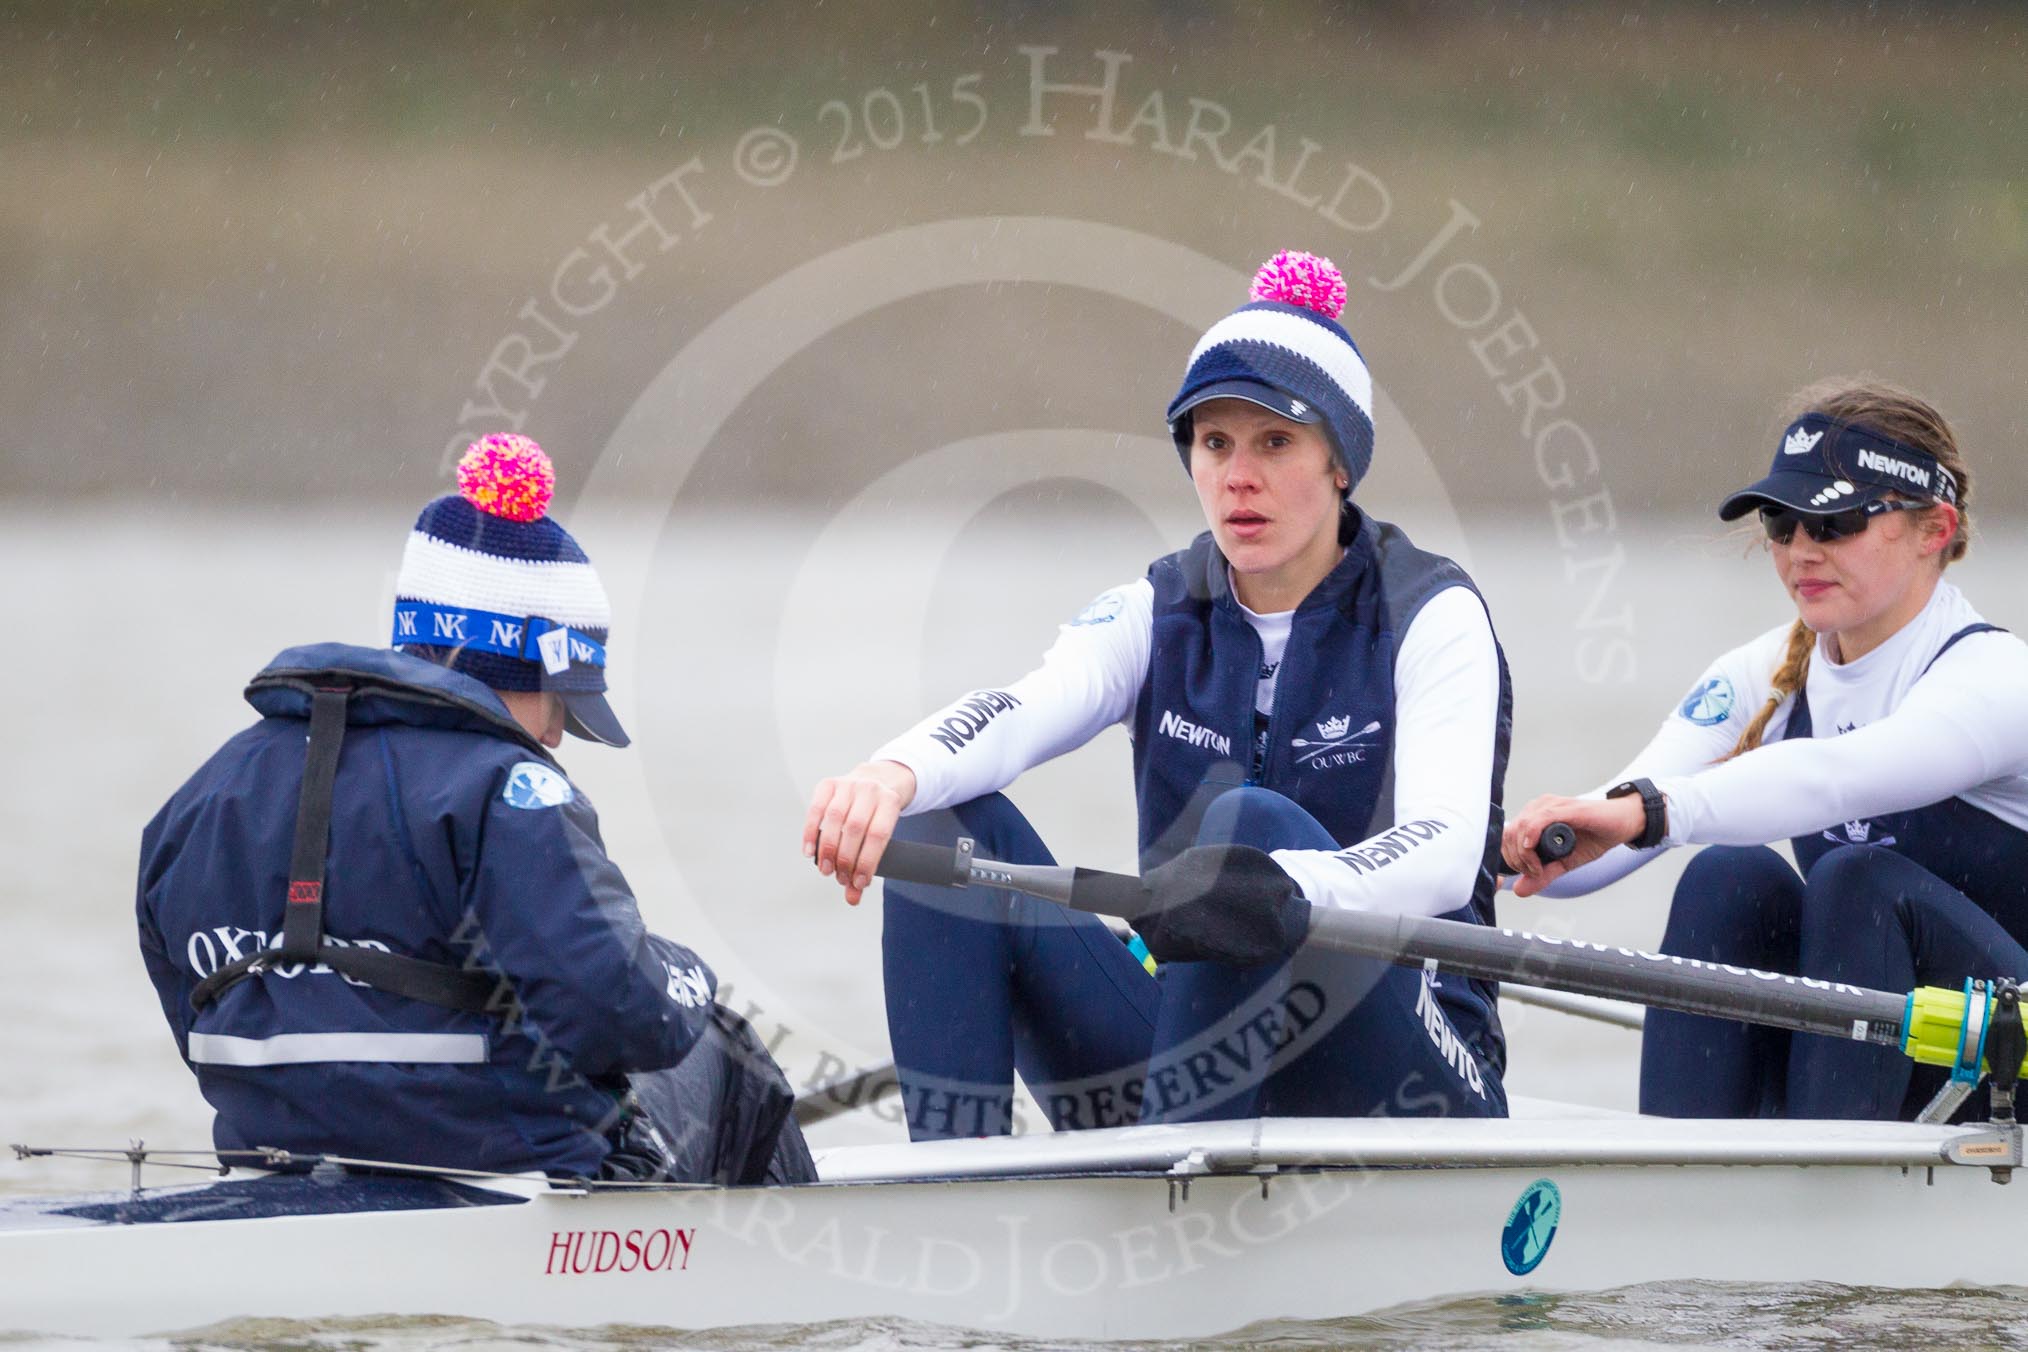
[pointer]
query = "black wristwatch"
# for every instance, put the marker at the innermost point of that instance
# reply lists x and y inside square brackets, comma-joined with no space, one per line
[1653,806]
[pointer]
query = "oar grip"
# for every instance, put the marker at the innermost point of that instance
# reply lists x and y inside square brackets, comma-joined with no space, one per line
[910,861]
[1557,840]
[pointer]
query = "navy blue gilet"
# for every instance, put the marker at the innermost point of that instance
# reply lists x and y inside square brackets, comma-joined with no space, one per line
[1965,846]
[1330,734]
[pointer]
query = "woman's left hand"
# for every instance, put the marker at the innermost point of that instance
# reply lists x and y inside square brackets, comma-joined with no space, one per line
[1600,823]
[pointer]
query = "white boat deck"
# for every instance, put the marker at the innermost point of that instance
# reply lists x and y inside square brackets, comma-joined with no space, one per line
[1539,1135]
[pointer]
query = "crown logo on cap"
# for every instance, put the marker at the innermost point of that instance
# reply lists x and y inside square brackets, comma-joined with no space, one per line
[1800,442]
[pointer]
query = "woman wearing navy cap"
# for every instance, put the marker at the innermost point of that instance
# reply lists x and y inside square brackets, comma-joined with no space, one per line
[1319,714]
[1884,732]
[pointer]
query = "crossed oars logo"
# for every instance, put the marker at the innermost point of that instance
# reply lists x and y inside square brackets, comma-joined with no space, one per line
[1333,731]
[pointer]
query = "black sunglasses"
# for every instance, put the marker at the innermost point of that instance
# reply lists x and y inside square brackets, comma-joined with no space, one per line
[1780,523]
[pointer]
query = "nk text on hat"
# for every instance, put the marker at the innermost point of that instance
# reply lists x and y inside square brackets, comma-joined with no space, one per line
[493,587]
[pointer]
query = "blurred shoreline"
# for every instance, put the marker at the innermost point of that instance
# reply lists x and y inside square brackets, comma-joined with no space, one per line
[255,258]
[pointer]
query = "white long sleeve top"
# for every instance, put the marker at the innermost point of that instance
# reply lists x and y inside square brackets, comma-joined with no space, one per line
[1446,691]
[1897,729]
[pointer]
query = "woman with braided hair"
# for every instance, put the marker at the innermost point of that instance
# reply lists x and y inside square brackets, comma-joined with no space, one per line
[1884,732]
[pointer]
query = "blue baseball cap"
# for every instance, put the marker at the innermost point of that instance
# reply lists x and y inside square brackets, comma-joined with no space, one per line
[1823,465]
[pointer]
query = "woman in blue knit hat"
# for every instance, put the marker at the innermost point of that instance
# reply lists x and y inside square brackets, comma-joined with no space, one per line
[1318,710]
[381,921]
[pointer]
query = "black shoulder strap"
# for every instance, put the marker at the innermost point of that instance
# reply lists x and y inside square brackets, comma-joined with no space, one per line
[303,920]
[433,983]
[302,938]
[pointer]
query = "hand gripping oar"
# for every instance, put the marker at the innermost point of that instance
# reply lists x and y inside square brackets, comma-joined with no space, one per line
[1932,1025]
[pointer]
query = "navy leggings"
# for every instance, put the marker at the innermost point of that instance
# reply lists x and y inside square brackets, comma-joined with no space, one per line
[1865,916]
[981,982]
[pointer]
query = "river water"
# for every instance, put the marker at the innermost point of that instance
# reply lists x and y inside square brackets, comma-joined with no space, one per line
[1662,1315]
[753,653]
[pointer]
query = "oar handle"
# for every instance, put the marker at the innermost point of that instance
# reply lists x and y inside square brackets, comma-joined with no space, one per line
[908,861]
[1557,840]
[956,865]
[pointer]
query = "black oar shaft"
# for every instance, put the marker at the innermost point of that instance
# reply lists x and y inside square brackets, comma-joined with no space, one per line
[1685,985]
[1658,980]
[955,866]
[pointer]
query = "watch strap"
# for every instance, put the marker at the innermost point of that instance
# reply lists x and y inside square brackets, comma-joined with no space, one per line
[1654,810]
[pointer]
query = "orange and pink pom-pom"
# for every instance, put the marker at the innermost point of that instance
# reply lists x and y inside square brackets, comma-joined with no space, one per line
[507,475]
[1304,279]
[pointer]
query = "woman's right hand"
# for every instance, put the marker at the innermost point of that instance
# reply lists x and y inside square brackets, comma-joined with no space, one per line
[1600,823]
[852,818]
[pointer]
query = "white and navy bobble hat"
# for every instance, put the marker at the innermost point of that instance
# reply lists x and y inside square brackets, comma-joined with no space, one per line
[492,587]
[1286,352]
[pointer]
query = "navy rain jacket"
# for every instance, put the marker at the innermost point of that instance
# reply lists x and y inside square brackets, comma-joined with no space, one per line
[456,839]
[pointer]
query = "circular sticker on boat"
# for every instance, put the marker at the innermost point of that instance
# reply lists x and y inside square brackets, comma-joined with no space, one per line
[1530,1227]
[531,784]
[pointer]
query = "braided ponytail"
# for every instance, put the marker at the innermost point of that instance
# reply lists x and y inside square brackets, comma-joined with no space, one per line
[1788,679]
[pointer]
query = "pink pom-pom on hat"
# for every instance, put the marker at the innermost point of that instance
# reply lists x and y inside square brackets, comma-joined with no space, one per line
[508,476]
[1296,278]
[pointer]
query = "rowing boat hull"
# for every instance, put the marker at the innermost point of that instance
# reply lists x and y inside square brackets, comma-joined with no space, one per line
[1082,1254]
